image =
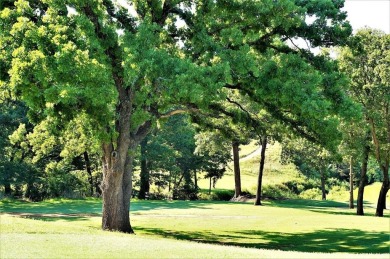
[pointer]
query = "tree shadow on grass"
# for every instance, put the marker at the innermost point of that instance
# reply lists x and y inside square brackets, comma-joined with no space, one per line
[327,240]
[302,204]
[139,206]
[348,212]
[55,217]
[55,206]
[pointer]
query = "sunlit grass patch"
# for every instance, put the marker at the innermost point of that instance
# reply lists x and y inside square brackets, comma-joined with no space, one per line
[63,228]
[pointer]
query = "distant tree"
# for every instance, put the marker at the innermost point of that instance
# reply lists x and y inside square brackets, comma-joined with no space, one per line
[355,148]
[312,160]
[168,158]
[12,114]
[213,150]
[366,62]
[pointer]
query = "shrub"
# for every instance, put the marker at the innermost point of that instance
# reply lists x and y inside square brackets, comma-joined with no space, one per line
[299,185]
[339,193]
[217,195]
[278,191]
[311,194]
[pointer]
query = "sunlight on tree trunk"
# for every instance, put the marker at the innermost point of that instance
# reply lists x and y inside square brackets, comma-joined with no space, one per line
[237,173]
[351,201]
[363,180]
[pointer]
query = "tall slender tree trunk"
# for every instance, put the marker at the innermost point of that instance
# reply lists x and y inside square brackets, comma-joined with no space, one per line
[89,172]
[195,180]
[383,192]
[351,202]
[237,173]
[261,170]
[210,186]
[7,189]
[323,189]
[363,180]
[145,181]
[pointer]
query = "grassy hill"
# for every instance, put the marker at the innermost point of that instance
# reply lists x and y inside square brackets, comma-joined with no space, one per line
[276,174]
[274,171]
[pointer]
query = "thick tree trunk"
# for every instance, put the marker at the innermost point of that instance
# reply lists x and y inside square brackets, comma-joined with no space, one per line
[237,173]
[323,189]
[89,172]
[144,185]
[261,170]
[351,202]
[116,190]
[363,181]
[117,168]
[383,192]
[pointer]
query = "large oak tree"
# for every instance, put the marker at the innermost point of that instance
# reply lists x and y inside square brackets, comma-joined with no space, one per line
[122,67]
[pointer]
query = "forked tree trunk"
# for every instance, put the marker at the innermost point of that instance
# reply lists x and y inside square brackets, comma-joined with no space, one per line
[261,170]
[363,181]
[89,172]
[237,174]
[323,189]
[351,202]
[383,192]
[116,187]
[117,169]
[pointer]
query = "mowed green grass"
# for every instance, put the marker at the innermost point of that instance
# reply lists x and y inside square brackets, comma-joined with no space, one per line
[184,229]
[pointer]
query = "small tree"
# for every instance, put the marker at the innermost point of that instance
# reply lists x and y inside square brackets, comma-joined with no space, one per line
[214,152]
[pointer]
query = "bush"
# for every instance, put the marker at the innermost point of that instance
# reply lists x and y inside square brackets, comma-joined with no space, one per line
[299,185]
[157,196]
[311,194]
[217,195]
[185,194]
[278,191]
[339,193]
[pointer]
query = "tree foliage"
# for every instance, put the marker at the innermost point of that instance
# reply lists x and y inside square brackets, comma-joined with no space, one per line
[122,71]
[366,61]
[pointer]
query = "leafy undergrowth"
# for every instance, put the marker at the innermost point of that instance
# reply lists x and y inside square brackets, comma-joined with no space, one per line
[71,228]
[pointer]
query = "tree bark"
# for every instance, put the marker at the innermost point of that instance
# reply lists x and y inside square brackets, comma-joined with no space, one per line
[351,202]
[237,173]
[116,190]
[89,172]
[323,189]
[383,192]
[210,186]
[261,170]
[117,168]
[195,180]
[363,180]
[7,189]
[144,185]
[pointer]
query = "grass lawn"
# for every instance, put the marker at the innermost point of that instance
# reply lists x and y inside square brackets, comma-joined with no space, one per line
[280,229]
